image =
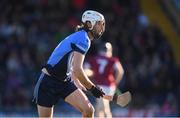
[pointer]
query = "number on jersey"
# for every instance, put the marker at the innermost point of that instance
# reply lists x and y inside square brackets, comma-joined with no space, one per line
[102,65]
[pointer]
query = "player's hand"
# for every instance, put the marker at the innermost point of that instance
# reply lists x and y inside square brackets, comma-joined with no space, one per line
[96,91]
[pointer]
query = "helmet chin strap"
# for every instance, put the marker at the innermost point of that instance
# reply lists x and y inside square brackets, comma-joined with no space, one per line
[95,35]
[92,30]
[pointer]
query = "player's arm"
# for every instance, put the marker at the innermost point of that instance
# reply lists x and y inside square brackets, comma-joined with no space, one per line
[78,71]
[77,82]
[119,71]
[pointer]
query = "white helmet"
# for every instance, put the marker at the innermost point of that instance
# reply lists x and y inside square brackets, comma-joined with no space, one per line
[92,16]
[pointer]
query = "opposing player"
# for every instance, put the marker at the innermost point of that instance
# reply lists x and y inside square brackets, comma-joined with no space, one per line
[65,65]
[106,73]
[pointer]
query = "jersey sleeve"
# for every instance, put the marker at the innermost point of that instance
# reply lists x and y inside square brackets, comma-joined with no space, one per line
[81,46]
[115,59]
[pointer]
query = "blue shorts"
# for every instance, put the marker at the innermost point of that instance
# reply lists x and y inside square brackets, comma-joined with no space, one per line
[49,90]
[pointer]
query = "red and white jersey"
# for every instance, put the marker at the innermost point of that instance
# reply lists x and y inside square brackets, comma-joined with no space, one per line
[103,69]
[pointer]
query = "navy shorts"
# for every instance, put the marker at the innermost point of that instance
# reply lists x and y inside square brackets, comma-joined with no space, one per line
[49,90]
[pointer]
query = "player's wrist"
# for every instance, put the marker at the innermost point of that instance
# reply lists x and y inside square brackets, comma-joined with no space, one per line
[96,91]
[89,87]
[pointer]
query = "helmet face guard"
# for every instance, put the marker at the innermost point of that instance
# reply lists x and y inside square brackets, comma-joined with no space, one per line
[96,36]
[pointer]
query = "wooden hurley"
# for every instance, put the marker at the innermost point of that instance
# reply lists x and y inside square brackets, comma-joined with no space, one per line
[121,100]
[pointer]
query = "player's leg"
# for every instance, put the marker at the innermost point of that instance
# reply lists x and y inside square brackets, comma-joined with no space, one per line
[44,96]
[80,101]
[103,106]
[110,90]
[107,109]
[99,108]
[45,111]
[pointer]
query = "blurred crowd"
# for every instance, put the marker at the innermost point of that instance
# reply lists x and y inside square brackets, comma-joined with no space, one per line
[30,30]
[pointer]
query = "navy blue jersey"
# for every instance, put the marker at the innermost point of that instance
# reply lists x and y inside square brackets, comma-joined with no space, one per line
[59,63]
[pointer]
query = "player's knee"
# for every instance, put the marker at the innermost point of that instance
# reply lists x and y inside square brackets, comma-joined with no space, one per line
[88,111]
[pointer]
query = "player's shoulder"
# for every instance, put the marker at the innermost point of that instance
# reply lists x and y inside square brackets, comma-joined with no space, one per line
[82,34]
[114,59]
